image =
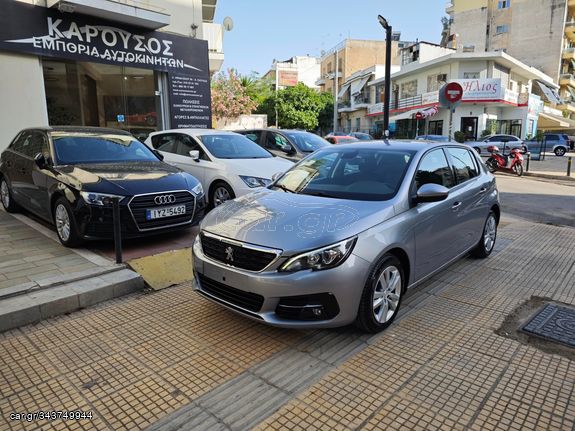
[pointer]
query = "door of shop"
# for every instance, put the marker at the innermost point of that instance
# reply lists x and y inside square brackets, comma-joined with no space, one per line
[469,127]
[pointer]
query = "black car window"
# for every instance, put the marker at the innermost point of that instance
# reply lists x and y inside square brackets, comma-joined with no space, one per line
[275,141]
[185,144]
[434,169]
[463,164]
[18,143]
[552,137]
[34,143]
[307,142]
[253,136]
[166,142]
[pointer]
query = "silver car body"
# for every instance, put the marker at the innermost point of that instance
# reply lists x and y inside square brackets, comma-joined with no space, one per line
[425,237]
[503,142]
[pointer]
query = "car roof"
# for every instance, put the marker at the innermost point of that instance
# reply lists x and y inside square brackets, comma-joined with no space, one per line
[397,144]
[80,129]
[272,129]
[197,131]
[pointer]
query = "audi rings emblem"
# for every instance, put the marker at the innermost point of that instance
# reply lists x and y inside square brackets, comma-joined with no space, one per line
[165,199]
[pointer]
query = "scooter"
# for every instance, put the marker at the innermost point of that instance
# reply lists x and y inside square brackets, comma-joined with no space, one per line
[500,162]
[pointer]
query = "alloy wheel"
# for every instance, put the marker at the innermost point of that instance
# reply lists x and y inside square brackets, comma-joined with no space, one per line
[221,194]
[386,294]
[5,194]
[489,233]
[62,219]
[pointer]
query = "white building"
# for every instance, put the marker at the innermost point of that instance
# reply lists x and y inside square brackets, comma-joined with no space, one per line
[134,65]
[305,69]
[501,95]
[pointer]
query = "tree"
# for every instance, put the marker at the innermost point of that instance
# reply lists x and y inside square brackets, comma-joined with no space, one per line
[259,89]
[230,99]
[298,107]
[326,114]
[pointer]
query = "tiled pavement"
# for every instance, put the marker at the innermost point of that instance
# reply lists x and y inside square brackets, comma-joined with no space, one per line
[171,360]
[28,256]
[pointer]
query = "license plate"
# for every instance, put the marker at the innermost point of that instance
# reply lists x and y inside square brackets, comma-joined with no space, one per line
[163,212]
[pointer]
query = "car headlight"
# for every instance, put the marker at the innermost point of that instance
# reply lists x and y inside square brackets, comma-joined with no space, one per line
[99,198]
[256,181]
[322,258]
[198,190]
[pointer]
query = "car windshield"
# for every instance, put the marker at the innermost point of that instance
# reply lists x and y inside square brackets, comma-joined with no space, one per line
[84,148]
[228,146]
[348,173]
[307,142]
[362,136]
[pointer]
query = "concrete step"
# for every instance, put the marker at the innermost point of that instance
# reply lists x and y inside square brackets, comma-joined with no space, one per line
[60,297]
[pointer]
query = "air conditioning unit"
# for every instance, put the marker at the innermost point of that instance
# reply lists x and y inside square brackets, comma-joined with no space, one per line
[468,48]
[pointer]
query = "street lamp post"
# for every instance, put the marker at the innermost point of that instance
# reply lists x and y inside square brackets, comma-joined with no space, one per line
[387,95]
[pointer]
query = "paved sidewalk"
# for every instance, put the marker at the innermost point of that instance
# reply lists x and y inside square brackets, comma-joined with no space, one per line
[552,166]
[171,360]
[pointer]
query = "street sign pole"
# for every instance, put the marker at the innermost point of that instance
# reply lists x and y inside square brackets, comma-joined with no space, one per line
[450,96]
[451,109]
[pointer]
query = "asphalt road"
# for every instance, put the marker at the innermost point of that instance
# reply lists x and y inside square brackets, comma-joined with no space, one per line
[537,199]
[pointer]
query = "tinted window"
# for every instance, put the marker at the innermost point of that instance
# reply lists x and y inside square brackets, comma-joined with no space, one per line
[434,169]
[275,141]
[349,173]
[463,164]
[552,137]
[18,143]
[34,143]
[228,146]
[165,143]
[307,142]
[253,136]
[81,148]
[185,144]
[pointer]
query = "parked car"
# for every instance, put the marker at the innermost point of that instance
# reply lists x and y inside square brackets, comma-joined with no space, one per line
[504,142]
[227,164]
[340,236]
[341,139]
[69,176]
[555,142]
[293,145]
[435,138]
[362,136]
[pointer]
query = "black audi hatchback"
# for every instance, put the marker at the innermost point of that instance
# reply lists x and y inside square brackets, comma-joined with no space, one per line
[70,176]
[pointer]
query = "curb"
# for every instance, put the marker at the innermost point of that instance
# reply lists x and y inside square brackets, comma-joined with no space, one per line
[43,303]
[549,176]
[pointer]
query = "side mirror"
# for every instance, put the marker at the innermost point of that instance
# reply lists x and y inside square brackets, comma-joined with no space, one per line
[40,161]
[195,155]
[287,148]
[276,176]
[431,193]
[159,155]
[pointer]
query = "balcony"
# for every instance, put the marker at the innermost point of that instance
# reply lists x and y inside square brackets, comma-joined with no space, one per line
[214,34]
[449,7]
[320,82]
[568,54]
[139,13]
[570,30]
[567,79]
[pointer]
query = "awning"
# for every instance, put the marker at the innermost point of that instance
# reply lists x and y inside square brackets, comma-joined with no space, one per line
[344,88]
[552,122]
[550,93]
[358,85]
[404,115]
[429,112]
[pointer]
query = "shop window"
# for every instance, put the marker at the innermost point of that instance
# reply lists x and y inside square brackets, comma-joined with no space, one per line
[101,95]
[435,127]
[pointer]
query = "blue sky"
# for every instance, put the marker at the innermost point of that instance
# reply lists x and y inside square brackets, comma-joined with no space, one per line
[268,29]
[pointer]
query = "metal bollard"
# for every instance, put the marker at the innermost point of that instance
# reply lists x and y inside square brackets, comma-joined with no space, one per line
[117,229]
[569,162]
[528,160]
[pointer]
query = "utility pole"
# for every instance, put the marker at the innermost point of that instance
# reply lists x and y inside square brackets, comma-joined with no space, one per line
[335,91]
[277,85]
[387,98]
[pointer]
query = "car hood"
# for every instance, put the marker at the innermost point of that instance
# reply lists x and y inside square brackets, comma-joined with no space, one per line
[293,222]
[262,168]
[126,178]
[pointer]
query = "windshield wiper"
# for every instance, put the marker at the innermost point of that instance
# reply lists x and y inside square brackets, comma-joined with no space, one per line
[284,188]
[321,194]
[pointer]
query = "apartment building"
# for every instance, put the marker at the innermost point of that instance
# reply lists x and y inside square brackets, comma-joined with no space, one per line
[305,69]
[134,65]
[498,97]
[539,33]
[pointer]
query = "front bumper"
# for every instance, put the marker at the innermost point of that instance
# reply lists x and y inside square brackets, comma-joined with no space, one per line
[344,284]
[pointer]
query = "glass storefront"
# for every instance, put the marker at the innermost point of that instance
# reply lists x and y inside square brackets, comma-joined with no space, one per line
[102,95]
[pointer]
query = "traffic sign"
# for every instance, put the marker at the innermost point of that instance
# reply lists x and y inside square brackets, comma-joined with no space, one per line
[453,92]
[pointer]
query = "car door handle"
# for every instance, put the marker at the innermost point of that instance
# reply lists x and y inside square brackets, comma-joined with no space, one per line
[482,190]
[456,206]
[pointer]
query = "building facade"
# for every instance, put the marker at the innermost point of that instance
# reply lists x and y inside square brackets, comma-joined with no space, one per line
[138,66]
[539,33]
[498,97]
[304,69]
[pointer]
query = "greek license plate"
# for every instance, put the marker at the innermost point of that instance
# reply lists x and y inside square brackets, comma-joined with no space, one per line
[155,213]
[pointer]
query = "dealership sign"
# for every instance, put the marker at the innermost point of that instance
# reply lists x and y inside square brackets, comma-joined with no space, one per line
[46,32]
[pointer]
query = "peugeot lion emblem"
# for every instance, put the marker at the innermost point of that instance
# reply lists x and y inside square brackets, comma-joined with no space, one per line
[165,199]
[230,254]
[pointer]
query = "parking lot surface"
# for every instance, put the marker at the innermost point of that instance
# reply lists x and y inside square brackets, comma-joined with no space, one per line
[171,360]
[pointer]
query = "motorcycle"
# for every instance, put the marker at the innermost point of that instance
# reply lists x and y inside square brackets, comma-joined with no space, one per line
[512,163]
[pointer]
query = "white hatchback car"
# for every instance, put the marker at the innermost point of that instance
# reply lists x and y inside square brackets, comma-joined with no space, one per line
[227,164]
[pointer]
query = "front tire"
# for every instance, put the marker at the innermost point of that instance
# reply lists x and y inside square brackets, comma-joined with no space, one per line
[66,227]
[6,197]
[518,169]
[382,295]
[491,164]
[220,192]
[487,242]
